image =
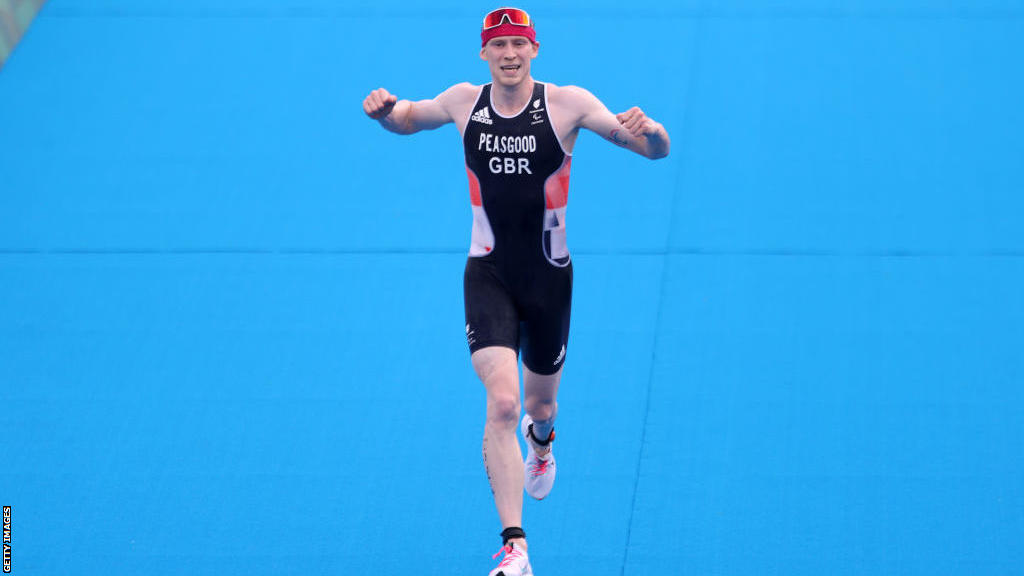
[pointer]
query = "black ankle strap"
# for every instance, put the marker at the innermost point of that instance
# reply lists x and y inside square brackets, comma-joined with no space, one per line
[551,436]
[511,533]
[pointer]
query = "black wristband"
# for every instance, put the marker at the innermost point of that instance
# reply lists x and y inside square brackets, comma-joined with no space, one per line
[511,533]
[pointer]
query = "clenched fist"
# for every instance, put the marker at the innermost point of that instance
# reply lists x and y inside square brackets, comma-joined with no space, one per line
[379,103]
[637,122]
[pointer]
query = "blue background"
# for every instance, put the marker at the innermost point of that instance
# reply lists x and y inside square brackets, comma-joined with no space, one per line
[231,336]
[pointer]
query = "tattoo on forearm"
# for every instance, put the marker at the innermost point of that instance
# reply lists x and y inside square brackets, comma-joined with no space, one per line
[615,137]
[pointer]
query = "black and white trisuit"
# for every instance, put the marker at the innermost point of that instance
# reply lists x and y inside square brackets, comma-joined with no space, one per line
[518,279]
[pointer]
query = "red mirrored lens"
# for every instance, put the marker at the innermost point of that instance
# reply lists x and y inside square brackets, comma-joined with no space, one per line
[514,16]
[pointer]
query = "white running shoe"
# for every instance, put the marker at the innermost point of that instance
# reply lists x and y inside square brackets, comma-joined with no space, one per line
[539,473]
[515,563]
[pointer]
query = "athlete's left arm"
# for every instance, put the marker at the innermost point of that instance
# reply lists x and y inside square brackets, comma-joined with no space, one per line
[631,129]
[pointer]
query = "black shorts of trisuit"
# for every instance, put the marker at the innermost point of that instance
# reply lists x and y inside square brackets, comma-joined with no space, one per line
[529,314]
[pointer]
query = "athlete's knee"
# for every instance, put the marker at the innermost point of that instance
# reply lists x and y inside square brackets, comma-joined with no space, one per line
[541,409]
[502,410]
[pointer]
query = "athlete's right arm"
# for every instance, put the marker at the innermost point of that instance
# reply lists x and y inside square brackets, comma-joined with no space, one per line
[408,117]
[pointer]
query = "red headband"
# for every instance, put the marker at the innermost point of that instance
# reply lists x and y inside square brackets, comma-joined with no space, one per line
[507,29]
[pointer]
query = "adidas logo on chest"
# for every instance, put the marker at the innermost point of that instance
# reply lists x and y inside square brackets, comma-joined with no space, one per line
[482,115]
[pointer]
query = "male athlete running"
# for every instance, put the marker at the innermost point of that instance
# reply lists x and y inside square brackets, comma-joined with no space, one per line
[518,136]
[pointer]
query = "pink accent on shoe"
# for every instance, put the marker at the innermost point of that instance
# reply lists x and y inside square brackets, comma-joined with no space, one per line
[539,468]
[510,555]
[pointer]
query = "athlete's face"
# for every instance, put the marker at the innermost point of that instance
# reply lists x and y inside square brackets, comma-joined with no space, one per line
[509,58]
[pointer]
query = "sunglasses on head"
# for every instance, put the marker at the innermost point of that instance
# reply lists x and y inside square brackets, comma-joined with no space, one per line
[514,16]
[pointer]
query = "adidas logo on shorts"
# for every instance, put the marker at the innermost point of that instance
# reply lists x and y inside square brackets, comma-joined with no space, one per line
[482,115]
[561,355]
